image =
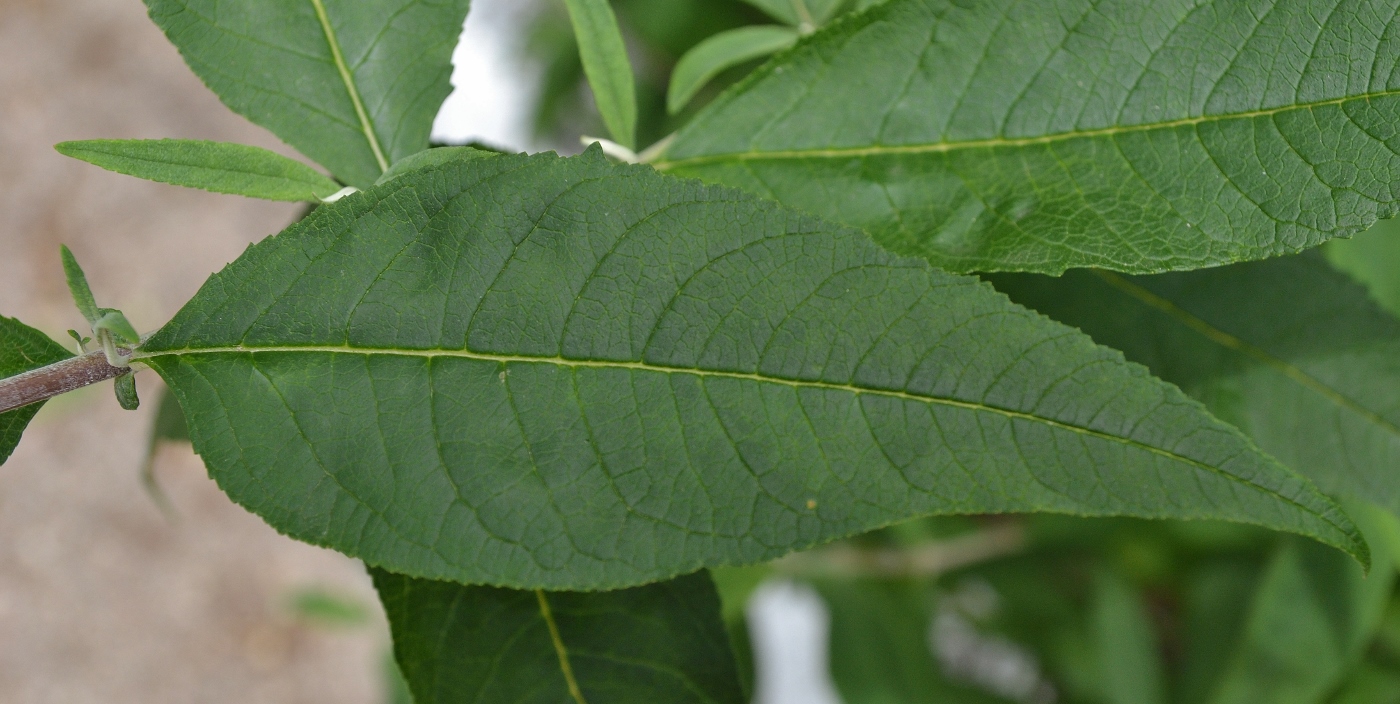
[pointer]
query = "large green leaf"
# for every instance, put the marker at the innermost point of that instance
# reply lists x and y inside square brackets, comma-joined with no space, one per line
[555,373]
[662,642]
[220,167]
[22,348]
[1137,135]
[353,84]
[1289,350]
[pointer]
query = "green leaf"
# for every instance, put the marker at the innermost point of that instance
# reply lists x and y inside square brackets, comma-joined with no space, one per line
[432,157]
[22,348]
[353,84]
[555,373]
[1136,135]
[811,13]
[719,52]
[115,323]
[662,642]
[1372,258]
[1130,663]
[1309,621]
[220,167]
[605,62]
[1288,350]
[126,392]
[78,286]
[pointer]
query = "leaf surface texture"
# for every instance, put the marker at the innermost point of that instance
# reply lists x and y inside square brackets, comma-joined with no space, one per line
[1033,135]
[561,373]
[22,348]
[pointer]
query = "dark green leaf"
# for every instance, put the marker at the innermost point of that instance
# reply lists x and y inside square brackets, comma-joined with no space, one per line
[1288,350]
[662,642]
[353,84]
[560,373]
[22,348]
[1138,135]
[125,386]
[605,62]
[720,52]
[220,167]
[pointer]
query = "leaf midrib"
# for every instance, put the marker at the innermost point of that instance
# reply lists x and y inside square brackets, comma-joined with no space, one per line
[366,125]
[743,376]
[1237,344]
[996,142]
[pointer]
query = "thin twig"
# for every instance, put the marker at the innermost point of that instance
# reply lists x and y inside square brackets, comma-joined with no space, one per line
[58,378]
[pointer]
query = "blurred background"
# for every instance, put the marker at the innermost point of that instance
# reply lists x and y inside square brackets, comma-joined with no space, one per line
[109,595]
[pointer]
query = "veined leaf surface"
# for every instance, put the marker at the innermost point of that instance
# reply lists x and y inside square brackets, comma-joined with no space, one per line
[353,84]
[662,642]
[22,348]
[220,167]
[1026,135]
[560,373]
[1289,350]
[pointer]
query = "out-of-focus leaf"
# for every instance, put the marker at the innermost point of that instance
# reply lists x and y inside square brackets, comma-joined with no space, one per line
[720,52]
[799,13]
[609,71]
[1289,350]
[815,386]
[1373,258]
[1369,685]
[353,84]
[327,608]
[663,642]
[22,348]
[1129,656]
[1215,602]
[1026,135]
[220,167]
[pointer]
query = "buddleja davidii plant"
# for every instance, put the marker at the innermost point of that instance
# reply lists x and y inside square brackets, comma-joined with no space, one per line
[543,374]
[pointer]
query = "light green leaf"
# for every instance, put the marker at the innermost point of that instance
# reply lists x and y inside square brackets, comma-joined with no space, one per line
[78,286]
[662,642]
[1130,663]
[555,373]
[1136,135]
[353,84]
[1288,350]
[605,62]
[220,167]
[431,157]
[719,52]
[22,348]
[1372,258]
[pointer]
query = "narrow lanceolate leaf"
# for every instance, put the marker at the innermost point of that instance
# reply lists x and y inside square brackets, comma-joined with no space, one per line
[22,348]
[799,12]
[353,84]
[662,642]
[220,167]
[560,373]
[719,52]
[1289,350]
[609,71]
[1135,135]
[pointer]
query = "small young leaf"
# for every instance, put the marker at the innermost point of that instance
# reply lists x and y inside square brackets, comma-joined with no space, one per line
[719,52]
[432,157]
[507,370]
[609,71]
[1288,350]
[78,286]
[22,348]
[125,386]
[115,323]
[1024,135]
[352,84]
[220,167]
[663,642]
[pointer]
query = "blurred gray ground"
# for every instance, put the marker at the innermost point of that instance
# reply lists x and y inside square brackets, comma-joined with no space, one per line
[101,598]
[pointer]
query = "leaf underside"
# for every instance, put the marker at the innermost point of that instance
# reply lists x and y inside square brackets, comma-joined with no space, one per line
[355,90]
[1289,350]
[22,348]
[561,373]
[1027,135]
[662,642]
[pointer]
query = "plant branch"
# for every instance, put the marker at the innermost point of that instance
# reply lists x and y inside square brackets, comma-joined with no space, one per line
[58,378]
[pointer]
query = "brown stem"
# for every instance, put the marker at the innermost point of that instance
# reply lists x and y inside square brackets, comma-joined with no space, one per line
[58,378]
